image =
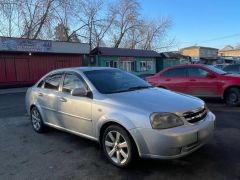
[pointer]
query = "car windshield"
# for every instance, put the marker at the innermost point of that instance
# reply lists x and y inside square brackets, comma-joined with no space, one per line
[216,70]
[108,81]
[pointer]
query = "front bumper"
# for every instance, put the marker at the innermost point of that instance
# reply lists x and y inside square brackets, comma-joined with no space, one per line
[175,142]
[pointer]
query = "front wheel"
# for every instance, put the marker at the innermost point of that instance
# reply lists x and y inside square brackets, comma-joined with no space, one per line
[232,97]
[36,120]
[118,146]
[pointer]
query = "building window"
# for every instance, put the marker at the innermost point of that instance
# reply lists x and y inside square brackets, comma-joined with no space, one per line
[112,64]
[146,66]
[127,65]
[108,64]
[115,64]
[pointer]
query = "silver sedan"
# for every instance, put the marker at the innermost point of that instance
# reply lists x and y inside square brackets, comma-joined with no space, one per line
[127,116]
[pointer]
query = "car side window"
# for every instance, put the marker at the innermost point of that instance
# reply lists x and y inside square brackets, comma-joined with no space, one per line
[53,82]
[197,72]
[71,82]
[177,72]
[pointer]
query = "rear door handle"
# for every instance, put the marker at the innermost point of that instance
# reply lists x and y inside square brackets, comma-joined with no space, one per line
[192,79]
[168,80]
[63,100]
[40,94]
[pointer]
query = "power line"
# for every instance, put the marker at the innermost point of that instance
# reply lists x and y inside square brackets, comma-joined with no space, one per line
[214,39]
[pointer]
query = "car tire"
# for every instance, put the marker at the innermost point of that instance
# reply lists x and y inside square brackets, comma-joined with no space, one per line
[36,120]
[232,97]
[118,146]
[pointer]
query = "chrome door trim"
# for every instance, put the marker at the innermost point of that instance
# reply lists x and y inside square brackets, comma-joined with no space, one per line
[83,118]
[49,109]
[71,131]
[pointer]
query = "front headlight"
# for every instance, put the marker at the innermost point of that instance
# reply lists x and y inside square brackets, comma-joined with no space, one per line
[165,120]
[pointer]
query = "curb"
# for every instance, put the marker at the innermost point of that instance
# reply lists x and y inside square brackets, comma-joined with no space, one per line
[13,90]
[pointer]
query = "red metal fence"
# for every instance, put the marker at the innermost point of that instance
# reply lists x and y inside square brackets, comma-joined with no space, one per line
[22,69]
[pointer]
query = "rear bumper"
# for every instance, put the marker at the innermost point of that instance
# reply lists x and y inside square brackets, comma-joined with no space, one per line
[175,142]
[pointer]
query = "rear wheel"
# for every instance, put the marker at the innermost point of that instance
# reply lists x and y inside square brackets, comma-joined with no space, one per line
[232,97]
[118,146]
[36,120]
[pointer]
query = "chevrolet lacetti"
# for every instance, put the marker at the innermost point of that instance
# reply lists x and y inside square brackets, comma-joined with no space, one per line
[125,114]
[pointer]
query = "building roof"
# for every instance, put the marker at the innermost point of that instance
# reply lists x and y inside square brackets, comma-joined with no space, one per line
[198,47]
[9,44]
[106,51]
[229,48]
[174,55]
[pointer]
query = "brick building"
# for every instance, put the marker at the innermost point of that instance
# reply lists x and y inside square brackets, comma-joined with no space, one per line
[206,55]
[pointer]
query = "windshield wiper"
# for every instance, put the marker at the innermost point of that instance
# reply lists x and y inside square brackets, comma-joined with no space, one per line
[130,89]
[138,87]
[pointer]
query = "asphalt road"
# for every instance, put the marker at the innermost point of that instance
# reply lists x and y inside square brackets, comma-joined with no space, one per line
[25,154]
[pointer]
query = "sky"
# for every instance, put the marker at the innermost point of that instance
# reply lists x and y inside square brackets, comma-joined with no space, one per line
[212,23]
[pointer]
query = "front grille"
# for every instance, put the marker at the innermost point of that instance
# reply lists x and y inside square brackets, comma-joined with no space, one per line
[195,116]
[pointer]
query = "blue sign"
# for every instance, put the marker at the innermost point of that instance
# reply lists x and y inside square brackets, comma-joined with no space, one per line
[28,45]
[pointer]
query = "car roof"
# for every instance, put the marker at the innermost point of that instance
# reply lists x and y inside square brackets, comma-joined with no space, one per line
[82,69]
[191,65]
[185,65]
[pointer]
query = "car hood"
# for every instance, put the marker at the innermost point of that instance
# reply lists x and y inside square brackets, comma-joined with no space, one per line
[235,76]
[156,100]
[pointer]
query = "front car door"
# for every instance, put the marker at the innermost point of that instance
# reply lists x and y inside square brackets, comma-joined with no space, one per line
[48,95]
[74,111]
[175,79]
[200,84]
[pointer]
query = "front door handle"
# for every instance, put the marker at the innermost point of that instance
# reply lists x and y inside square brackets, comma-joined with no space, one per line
[168,80]
[192,79]
[40,94]
[63,100]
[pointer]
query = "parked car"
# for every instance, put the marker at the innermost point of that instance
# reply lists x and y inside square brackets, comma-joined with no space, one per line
[234,68]
[124,113]
[199,80]
[220,66]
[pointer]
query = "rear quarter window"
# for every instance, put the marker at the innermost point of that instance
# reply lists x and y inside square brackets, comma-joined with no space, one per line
[53,82]
[40,84]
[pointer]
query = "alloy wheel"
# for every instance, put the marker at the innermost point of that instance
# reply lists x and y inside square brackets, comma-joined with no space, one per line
[233,97]
[116,147]
[36,119]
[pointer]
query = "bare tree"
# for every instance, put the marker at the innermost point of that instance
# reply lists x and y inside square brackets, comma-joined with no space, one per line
[89,17]
[100,28]
[119,24]
[134,37]
[64,17]
[8,17]
[155,32]
[35,14]
[127,13]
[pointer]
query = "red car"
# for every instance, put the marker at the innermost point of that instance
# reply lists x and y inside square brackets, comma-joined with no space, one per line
[199,80]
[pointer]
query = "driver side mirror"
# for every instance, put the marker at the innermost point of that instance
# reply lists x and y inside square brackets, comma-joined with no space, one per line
[210,75]
[82,92]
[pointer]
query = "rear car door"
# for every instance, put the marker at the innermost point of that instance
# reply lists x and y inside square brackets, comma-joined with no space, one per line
[75,112]
[200,84]
[175,79]
[48,96]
